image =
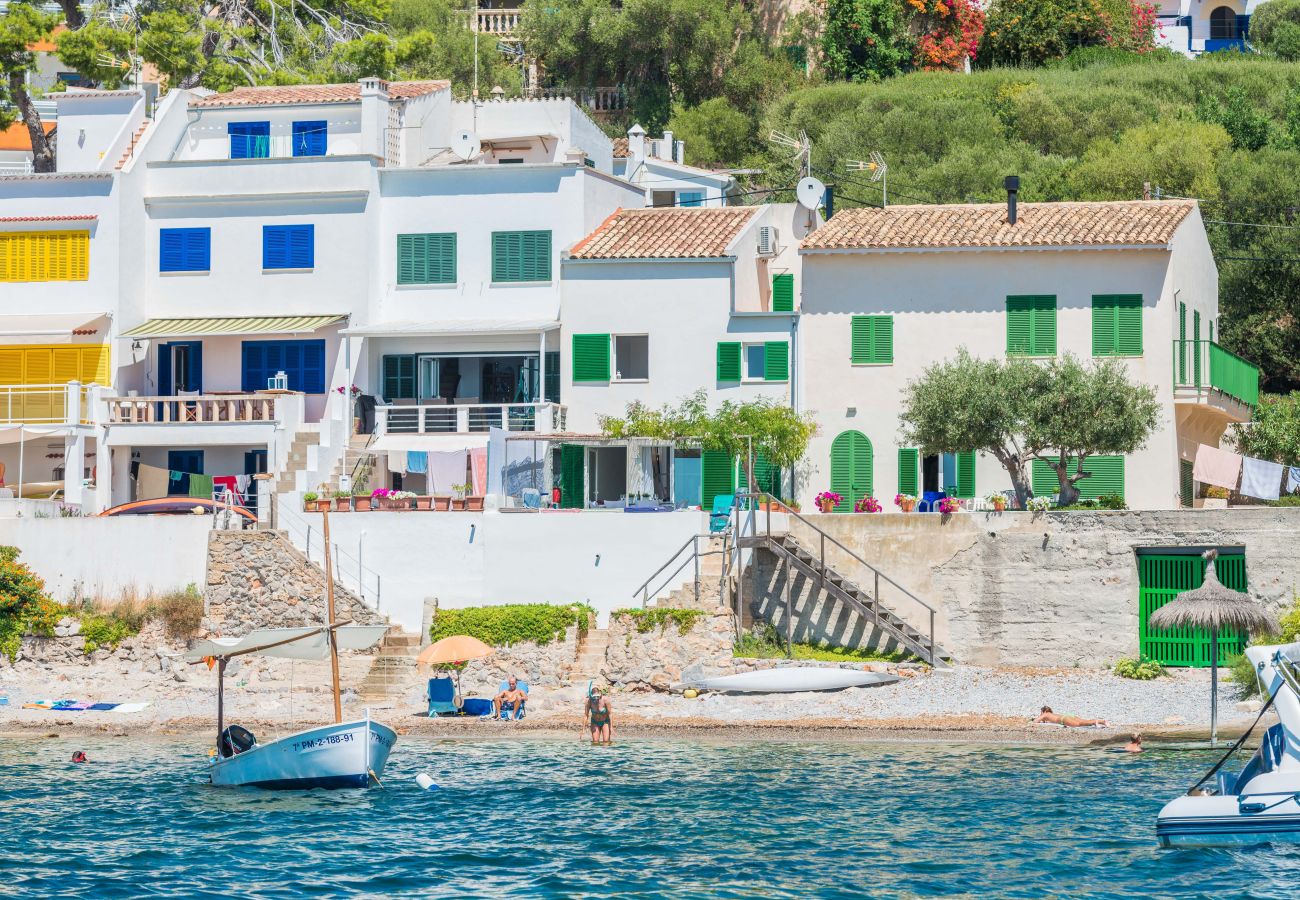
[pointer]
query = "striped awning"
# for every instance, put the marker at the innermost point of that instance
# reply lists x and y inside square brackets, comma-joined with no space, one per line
[220,326]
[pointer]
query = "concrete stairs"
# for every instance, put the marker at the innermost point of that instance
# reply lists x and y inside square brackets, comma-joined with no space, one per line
[591,655]
[393,671]
[711,593]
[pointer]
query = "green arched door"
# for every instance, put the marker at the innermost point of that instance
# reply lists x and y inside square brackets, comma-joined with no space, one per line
[851,468]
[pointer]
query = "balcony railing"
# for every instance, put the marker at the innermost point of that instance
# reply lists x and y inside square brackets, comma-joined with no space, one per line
[197,408]
[467,418]
[1204,365]
[45,404]
[498,21]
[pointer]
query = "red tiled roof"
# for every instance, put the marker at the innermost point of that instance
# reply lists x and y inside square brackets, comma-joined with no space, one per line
[76,218]
[275,95]
[1101,224]
[17,137]
[620,148]
[669,233]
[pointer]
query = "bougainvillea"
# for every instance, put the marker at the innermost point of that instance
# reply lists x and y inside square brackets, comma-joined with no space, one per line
[948,32]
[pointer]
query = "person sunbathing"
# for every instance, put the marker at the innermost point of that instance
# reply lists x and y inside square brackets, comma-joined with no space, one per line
[1069,721]
[511,700]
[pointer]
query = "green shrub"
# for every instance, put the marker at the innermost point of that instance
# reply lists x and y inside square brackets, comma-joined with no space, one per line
[1241,672]
[181,612]
[24,605]
[658,617]
[766,642]
[105,631]
[1139,669]
[540,623]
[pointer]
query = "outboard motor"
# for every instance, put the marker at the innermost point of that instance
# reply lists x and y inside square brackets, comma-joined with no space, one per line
[236,739]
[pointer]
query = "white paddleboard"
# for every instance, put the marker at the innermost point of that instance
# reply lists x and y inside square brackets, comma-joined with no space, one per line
[793,679]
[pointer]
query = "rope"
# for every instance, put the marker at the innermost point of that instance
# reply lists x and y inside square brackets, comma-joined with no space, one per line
[1235,747]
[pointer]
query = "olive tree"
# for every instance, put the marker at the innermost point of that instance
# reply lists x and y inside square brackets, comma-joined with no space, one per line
[1083,410]
[1274,433]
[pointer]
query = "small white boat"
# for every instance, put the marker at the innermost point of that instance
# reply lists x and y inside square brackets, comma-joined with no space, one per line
[344,754]
[792,679]
[1259,805]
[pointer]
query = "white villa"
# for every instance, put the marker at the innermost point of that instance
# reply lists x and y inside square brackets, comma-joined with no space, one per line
[658,165]
[1193,27]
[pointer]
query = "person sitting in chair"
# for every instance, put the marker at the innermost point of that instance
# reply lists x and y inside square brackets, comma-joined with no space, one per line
[511,700]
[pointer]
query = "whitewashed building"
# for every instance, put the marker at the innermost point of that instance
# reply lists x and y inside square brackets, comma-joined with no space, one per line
[888,292]
[659,167]
[1193,27]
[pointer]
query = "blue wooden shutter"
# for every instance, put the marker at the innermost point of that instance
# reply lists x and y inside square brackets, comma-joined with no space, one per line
[288,246]
[310,138]
[313,367]
[254,364]
[690,198]
[302,250]
[184,249]
[171,250]
[249,140]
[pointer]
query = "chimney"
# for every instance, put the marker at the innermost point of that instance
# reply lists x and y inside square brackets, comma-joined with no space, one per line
[374,116]
[666,147]
[636,144]
[1012,184]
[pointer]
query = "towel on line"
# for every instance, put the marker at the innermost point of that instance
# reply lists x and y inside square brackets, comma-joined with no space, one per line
[1218,467]
[151,482]
[417,461]
[201,486]
[1293,479]
[1261,478]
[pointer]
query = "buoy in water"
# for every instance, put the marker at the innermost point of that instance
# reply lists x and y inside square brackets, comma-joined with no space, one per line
[425,782]
[690,693]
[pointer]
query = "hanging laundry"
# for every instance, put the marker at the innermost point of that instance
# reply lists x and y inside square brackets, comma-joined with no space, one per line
[243,483]
[1261,479]
[397,462]
[417,462]
[223,483]
[478,462]
[200,486]
[175,476]
[1221,468]
[151,482]
[1293,479]
[446,470]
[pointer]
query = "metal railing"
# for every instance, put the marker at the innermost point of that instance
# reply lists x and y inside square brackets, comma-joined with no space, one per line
[349,571]
[45,404]
[466,418]
[693,544]
[769,501]
[1203,365]
[196,408]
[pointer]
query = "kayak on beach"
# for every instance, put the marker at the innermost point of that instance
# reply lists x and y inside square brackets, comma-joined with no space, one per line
[794,679]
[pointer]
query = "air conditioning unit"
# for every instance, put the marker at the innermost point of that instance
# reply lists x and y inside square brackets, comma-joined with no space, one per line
[769,239]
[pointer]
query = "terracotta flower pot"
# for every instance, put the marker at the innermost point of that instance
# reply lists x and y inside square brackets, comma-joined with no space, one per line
[474,504]
[343,504]
[457,503]
[907,505]
[423,502]
[442,504]
[362,504]
[826,506]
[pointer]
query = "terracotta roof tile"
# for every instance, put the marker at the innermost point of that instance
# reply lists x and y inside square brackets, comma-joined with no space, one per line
[89,217]
[1102,224]
[620,148]
[17,137]
[669,233]
[274,95]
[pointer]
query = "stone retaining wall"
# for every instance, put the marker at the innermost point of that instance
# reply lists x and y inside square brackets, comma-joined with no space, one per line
[656,659]
[257,579]
[1019,588]
[541,665]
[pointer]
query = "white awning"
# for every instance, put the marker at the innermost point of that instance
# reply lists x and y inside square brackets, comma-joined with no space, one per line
[453,326]
[431,443]
[303,643]
[47,324]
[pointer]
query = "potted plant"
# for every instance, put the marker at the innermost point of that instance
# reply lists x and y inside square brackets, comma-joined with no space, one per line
[458,502]
[424,502]
[441,502]
[342,501]
[353,393]
[827,501]
[997,501]
[474,503]
[1039,504]
[400,499]
[949,505]
[1215,498]
[791,504]
[361,500]
[905,502]
[867,504]
[309,501]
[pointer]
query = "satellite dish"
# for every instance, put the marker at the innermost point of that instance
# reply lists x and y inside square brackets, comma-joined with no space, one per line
[465,145]
[810,192]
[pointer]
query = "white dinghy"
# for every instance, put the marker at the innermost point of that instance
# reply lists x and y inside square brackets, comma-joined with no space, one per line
[344,754]
[793,679]
[1260,805]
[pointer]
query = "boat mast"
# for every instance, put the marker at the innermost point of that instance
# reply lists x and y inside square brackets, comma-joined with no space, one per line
[221,701]
[329,605]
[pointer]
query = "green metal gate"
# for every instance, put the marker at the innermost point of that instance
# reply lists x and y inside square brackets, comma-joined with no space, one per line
[1163,576]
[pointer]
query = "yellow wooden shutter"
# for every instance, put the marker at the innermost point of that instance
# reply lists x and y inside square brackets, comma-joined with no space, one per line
[11,366]
[67,365]
[94,364]
[45,256]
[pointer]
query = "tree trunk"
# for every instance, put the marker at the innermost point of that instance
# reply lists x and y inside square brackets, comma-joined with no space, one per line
[1015,467]
[72,14]
[42,145]
[1069,492]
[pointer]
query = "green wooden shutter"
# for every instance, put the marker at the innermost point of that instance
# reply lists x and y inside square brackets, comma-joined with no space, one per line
[399,377]
[1042,479]
[1031,326]
[766,475]
[783,293]
[521,256]
[1182,343]
[909,465]
[872,340]
[717,476]
[590,357]
[776,361]
[728,361]
[1186,486]
[573,465]
[441,258]
[1105,476]
[966,475]
[410,259]
[1196,347]
[1161,578]
[851,468]
[1117,325]
[426,258]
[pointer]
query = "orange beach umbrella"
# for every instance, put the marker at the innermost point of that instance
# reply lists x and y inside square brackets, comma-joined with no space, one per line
[454,649]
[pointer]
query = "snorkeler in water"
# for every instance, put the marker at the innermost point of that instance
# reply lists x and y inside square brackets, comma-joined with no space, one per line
[596,714]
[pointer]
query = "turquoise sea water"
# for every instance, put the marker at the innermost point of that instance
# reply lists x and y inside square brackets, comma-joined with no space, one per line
[644,818]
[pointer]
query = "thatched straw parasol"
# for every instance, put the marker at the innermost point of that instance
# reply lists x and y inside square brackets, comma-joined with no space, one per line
[1215,607]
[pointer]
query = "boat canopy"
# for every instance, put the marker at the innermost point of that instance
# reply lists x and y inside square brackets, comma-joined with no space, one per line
[289,643]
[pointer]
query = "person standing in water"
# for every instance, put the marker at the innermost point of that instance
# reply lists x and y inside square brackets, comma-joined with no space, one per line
[596,716]
[1134,745]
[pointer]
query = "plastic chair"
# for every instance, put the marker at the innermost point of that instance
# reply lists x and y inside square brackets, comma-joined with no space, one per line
[442,696]
[720,515]
[508,708]
[532,498]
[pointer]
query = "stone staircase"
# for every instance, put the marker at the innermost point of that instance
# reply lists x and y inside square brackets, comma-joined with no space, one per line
[393,671]
[591,655]
[713,558]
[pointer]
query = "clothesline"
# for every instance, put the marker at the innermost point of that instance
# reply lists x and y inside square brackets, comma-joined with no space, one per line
[1258,478]
[155,481]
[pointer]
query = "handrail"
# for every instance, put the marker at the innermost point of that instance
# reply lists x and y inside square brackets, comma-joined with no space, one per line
[692,540]
[1202,365]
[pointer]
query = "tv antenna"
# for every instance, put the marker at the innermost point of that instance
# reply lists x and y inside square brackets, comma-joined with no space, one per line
[879,169]
[801,146]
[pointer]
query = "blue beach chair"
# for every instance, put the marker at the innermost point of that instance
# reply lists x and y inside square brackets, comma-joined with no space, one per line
[442,697]
[720,515]
[508,708]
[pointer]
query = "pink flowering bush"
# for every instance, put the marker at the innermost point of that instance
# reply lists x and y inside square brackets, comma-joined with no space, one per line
[867,504]
[949,505]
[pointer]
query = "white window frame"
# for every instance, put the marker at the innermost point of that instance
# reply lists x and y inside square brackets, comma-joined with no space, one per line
[745,377]
[613,358]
